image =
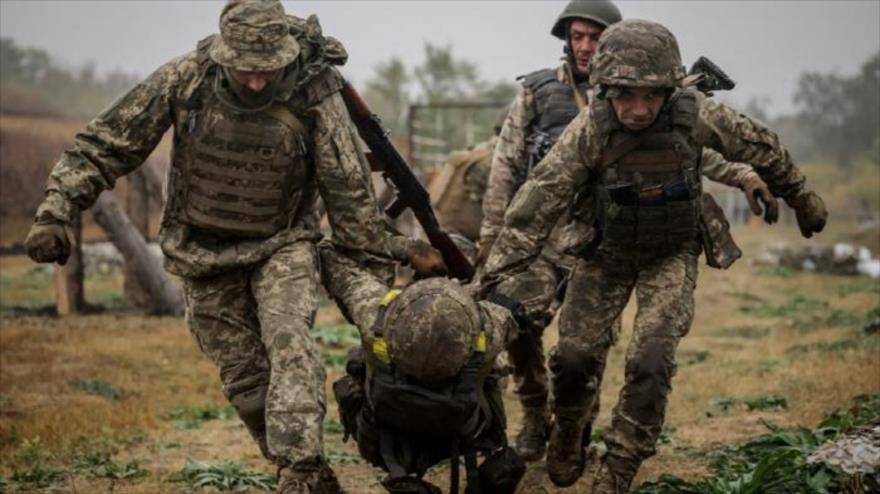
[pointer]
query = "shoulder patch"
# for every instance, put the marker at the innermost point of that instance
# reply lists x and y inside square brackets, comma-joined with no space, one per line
[538,78]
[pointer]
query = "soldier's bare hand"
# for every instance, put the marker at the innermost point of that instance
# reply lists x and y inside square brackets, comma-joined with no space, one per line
[757,193]
[48,242]
[810,211]
[425,260]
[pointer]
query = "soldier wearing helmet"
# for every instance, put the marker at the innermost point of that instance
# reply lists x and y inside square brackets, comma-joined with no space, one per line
[546,104]
[260,130]
[423,387]
[638,148]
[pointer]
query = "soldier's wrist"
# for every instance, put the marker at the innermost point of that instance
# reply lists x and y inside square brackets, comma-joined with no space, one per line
[55,209]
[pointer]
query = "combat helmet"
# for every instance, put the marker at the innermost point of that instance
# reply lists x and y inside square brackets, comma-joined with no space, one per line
[602,12]
[431,329]
[637,53]
[254,36]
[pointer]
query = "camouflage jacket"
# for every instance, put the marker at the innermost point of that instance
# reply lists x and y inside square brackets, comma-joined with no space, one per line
[576,158]
[510,163]
[120,139]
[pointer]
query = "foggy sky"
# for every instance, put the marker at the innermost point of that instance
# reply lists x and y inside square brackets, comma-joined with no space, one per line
[764,46]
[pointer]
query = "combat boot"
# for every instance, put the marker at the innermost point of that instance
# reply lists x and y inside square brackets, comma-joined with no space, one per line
[614,476]
[565,453]
[531,441]
[310,478]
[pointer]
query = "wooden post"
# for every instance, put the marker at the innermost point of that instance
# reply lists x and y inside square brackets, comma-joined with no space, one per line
[137,206]
[69,292]
[165,296]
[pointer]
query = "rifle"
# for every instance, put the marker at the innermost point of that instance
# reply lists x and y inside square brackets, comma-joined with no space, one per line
[708,77]
[410,192]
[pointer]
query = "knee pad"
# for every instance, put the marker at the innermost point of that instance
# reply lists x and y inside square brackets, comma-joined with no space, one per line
[648,376]
[248,397]
[575,376]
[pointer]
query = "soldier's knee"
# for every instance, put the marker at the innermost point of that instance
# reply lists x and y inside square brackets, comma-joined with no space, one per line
[575,375]
[648,376]
[248,397]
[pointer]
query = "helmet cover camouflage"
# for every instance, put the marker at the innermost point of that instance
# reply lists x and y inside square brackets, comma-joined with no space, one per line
[254,36]
[431,329]
[602,12]
[637,53]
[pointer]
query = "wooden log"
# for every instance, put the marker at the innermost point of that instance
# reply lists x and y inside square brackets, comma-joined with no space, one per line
[165,295]
[69,292]
[137,206]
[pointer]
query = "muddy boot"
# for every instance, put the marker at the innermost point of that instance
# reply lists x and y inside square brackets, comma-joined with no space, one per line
[565,452]
[531,440]
[309,478]
[614,475]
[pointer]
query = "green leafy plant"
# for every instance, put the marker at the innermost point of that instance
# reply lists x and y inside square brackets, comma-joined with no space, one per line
[776,462]
[99,387]
[101,466]
[189,418]
[342,458]
[343,335]
[334,359]
[333,426]
[38,475]
[225,477]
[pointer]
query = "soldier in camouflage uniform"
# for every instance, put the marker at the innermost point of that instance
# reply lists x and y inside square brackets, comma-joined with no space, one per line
[546,104]
[643,133]
[260,130]
[423,387]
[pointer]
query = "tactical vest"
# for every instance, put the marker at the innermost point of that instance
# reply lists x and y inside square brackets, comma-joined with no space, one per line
[554,101]
[245,171]
[651,186]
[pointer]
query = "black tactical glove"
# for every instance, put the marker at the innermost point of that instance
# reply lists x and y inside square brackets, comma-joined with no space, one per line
[47,241]
[810,211]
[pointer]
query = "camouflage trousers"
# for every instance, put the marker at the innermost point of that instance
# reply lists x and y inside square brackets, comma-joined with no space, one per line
[254,325]
[535,288]
[599,289]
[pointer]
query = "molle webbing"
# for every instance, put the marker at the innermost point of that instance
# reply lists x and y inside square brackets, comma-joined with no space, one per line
[555,102]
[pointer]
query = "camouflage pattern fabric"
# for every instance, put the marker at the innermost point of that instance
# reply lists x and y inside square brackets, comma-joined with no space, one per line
[627,55]
[254,325]
[663,281]
[250,301]
[254,36]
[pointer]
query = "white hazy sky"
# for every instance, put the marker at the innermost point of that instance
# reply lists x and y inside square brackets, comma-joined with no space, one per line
[763,45]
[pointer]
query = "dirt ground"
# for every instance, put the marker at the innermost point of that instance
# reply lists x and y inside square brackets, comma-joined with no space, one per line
[756,333]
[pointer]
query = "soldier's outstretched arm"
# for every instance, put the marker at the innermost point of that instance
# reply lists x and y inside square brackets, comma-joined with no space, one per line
[508,169]
[356,291]
[740,138]
[744,177]
[538,204]
[343,178]
[113,144]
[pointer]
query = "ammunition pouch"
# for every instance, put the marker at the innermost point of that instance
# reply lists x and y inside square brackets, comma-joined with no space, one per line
[661,226]
[501,472]
[720,248]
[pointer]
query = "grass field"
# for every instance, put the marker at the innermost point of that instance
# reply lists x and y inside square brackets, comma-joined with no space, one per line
[119,402]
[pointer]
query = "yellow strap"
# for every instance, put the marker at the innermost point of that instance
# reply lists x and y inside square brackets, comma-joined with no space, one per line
[391,295]
[480,344]
[380,350]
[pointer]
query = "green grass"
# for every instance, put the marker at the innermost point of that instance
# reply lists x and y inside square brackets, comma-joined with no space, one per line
[747,332]
[190,418]
[776,462]
[692,357]
[227,476]
[777,271]
[861,285]
[101,466]
[340,336]
[98,387]
[38,476]
[766,402]
[333,426]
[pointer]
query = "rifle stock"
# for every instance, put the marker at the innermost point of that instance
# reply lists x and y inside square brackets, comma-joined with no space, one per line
[410,192]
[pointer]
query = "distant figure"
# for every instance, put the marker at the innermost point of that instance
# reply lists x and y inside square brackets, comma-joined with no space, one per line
[638,147]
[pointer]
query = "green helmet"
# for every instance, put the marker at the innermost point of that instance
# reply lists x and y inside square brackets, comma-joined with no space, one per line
[637,53]
[254,36]
[431,329]
[601,12]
